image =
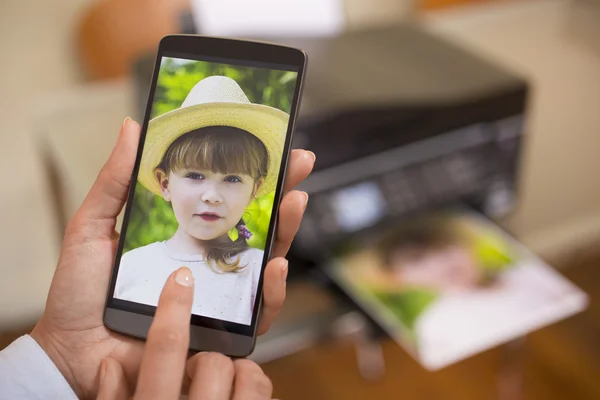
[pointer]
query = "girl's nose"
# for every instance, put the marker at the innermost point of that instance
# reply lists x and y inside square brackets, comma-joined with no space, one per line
[211,194]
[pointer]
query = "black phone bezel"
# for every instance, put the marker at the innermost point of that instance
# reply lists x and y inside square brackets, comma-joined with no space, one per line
[208,334]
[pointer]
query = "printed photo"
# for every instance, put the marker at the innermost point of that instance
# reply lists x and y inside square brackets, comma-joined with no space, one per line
[206,184]
[451,285]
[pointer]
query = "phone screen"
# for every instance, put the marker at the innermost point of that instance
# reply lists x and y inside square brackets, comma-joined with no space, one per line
[206,184]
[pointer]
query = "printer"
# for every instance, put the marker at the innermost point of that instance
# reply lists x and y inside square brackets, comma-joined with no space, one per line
[402,122]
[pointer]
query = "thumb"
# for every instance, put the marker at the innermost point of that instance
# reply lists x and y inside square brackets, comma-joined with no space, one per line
[113,385]
[105,199]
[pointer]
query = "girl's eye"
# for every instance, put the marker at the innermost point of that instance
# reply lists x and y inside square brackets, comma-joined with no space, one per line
[194,176]
[233,179]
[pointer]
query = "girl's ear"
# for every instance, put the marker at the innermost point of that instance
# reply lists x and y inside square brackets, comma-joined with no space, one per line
[163,182]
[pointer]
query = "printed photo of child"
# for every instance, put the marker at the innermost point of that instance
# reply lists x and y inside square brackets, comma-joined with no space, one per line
[206,186]
[449,286]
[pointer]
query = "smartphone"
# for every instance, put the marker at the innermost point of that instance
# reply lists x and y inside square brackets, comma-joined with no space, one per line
[206,186]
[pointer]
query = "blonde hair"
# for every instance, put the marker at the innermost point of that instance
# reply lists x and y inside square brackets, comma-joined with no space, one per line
[225,150]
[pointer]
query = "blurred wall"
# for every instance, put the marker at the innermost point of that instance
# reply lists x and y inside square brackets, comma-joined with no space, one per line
[559,205]
[35,41]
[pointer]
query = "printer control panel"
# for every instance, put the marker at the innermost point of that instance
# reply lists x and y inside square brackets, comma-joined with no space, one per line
[476,162]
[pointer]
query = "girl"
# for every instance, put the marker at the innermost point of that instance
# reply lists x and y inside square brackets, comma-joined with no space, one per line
[209,159]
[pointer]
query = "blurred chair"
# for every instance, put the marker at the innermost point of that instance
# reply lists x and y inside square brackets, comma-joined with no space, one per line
[75,132]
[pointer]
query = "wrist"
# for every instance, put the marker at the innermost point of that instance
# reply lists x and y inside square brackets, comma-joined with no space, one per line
[57,354]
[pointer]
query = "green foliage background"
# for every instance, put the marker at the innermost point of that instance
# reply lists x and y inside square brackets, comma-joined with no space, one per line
[407,305]
[151,218]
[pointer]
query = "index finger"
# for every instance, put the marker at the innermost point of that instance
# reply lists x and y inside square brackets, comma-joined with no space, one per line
[163,364]
[300,166]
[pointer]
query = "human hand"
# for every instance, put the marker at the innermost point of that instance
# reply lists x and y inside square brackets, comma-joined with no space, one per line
[71,330]
[213,376]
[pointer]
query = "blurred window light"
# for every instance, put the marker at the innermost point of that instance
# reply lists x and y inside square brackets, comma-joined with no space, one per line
[281,18]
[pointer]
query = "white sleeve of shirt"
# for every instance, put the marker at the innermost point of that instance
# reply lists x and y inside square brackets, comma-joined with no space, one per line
[26,372]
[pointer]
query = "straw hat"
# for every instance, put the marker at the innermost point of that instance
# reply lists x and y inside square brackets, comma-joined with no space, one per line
[215,101]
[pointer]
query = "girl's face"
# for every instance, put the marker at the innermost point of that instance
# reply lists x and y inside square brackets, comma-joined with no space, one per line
[207,204]
[447,269]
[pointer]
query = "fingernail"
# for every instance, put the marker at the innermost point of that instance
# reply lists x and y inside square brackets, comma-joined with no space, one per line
[284,271]
[184,277]
[102,370]
[313,155]
[125,122]
[305,199]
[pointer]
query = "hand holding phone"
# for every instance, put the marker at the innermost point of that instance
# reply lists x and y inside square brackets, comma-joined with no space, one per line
[71,331]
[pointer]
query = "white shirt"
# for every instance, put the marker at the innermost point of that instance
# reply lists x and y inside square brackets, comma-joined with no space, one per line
[26,372]
[227,296]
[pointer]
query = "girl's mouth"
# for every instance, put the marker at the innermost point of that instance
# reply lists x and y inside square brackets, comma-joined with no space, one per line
[210,217]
